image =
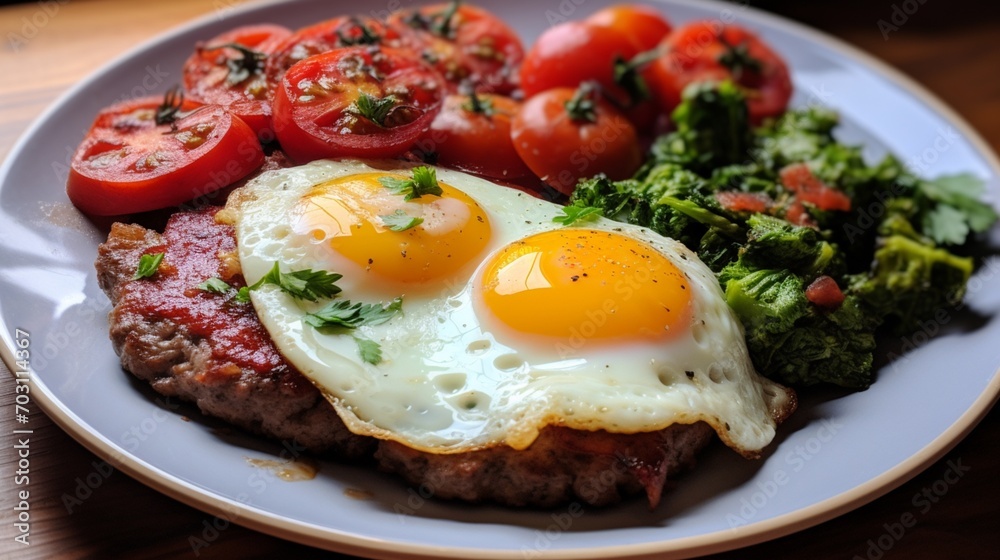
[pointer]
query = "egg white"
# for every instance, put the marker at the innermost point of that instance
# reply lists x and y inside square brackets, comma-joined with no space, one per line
[447,385]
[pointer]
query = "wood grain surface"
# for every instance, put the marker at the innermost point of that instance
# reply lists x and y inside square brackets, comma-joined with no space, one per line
[950,47]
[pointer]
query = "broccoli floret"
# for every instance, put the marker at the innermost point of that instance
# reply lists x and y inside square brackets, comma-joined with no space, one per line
[910,281]
[713,128]
[775,243]
[792,341]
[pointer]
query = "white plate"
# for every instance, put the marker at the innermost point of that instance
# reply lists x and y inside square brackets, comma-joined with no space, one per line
[834,454]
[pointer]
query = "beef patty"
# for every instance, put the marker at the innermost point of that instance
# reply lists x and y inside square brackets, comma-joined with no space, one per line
[211,350]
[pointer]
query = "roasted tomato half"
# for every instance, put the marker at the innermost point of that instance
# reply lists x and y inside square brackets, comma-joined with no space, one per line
[356,102]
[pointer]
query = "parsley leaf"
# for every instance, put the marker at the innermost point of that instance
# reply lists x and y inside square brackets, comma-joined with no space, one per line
[215,285]
[958,210]
[243,295]
[375,109]
[572,214]
[148,265]
[424,181]
[400,221]
[371,351]
[349,315]
[305,284]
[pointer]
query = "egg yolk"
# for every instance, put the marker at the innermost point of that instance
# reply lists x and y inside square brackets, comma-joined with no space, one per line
[404,242]
[587,286]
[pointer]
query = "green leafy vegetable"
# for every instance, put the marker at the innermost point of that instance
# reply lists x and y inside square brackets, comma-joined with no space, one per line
[353,315]
[304,284]
[371,351]
[424,181]
[573,214]
[375,109]
[215,285]
[148,265]
[243,295]
[400,221]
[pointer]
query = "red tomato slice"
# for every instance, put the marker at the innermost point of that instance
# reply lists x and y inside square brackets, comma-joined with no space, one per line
[799,179]
[128,163]
[711,51]
[824,292]
[325,36]
[356,102]
[476,137]
[562,145]
[468,45]
[234,78]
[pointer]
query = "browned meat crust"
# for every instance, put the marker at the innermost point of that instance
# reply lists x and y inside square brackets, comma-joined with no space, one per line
[158,342]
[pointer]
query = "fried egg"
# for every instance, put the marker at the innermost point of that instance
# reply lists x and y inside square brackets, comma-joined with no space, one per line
[510,322]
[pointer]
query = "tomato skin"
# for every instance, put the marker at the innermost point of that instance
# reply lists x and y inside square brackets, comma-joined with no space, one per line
[478,49]
[206,73]
[127,163]
[476,142]
[825,293]
[326,36]
[643,24]
[573,52]
[692,54]
[561,150]
[317,123]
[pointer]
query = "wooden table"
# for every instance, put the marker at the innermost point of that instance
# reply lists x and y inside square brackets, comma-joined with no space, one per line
[950,47]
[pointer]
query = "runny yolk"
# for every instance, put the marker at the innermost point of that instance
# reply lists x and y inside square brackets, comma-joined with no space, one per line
[352,214]
[593,287]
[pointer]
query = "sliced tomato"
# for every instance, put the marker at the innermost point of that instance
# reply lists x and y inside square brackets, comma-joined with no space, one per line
[807,187]
[468,45]
[644,25]
[234,77]
[736,201]
[824,292]
[473,134]
[128,163]
[710,51]
[325,36]
[564,135]
[356,102]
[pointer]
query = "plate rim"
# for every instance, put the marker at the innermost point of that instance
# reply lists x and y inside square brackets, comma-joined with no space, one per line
[336,540]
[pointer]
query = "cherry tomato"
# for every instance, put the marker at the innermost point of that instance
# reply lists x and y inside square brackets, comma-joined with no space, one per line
[357,102]
[711,51]
[129,163]
[234,76]
[644,25]
[468,45]
[344,31]
[574,52]
[564,135]
[737,201]
[473,134]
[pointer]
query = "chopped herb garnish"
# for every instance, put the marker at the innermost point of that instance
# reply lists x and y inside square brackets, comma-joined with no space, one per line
[573,214]
[479,105]
[349,315]
[357,33]
[246,63]
[441,22]
[148,265]
[169,110]
[215,286]
[243,295]
[375,109]
[305,284]
[424,181]
[371,351]
[400,221]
